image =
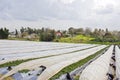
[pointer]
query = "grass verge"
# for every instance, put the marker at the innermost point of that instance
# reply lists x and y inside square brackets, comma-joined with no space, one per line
[24,71]
[14,63]
[75,65]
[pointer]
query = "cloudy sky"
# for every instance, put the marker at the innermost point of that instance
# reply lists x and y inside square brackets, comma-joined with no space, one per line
[60,14]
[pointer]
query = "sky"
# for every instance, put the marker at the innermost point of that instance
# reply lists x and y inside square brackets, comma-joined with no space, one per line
[60,14]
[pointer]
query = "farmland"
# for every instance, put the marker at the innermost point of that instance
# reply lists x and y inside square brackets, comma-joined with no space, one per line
[59,40]
[28,60]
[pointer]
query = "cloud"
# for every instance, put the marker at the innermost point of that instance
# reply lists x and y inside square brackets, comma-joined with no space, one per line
[67,1]
[106,6]
[108,9]
[29,10]
[78,12]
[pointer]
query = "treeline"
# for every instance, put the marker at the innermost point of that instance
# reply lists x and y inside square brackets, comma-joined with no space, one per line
[106,36]
[100,35]
[44,34]
[4,32]
[47,34]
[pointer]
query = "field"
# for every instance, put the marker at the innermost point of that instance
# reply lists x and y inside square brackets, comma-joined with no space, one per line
[76,39]
[27,60]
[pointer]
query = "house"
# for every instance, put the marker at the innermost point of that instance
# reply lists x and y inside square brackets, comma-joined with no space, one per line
[58,34]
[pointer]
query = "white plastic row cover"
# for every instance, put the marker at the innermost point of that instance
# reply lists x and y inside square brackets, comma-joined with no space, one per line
[98,69]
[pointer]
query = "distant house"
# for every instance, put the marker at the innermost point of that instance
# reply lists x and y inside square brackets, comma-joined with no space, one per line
[12,34]
[31,36]
[58,34]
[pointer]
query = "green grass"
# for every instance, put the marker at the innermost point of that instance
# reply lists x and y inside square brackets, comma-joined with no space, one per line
[23,39]
[76,39]
[24,71]
[14,63]
[76,77]
[104,43]
[17,62]
[75,65]
[84,39]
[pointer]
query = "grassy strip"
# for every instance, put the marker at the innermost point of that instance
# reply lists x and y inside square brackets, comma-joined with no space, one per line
[14,63]
[23,39]
[17,62]
[24,71]
[82,49]
[103,43]
[76,65]
[76,39]
[76,77]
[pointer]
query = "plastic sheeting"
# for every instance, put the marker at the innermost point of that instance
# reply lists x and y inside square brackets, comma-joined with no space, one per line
[52,70]
[20,46]
[53,60]
[98,69]
[117,56]
[13,57]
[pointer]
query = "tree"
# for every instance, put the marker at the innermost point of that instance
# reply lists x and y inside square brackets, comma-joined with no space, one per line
[47,34]
[71,31]
[87,31]
[108,37]
[118,36]
[29,30]
[22,30]
[4,33]
[79,31]
[98,34]
[16,32]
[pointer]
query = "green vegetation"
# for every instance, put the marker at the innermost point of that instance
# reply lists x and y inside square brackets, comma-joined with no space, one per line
[97,36]
[24,71]
[103,43]
[72,35]
[14,63]
[79,50]
[75,65]
[4,32]
[85,39]
[22,39]
[76,77]
[47,35]
[76,39]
